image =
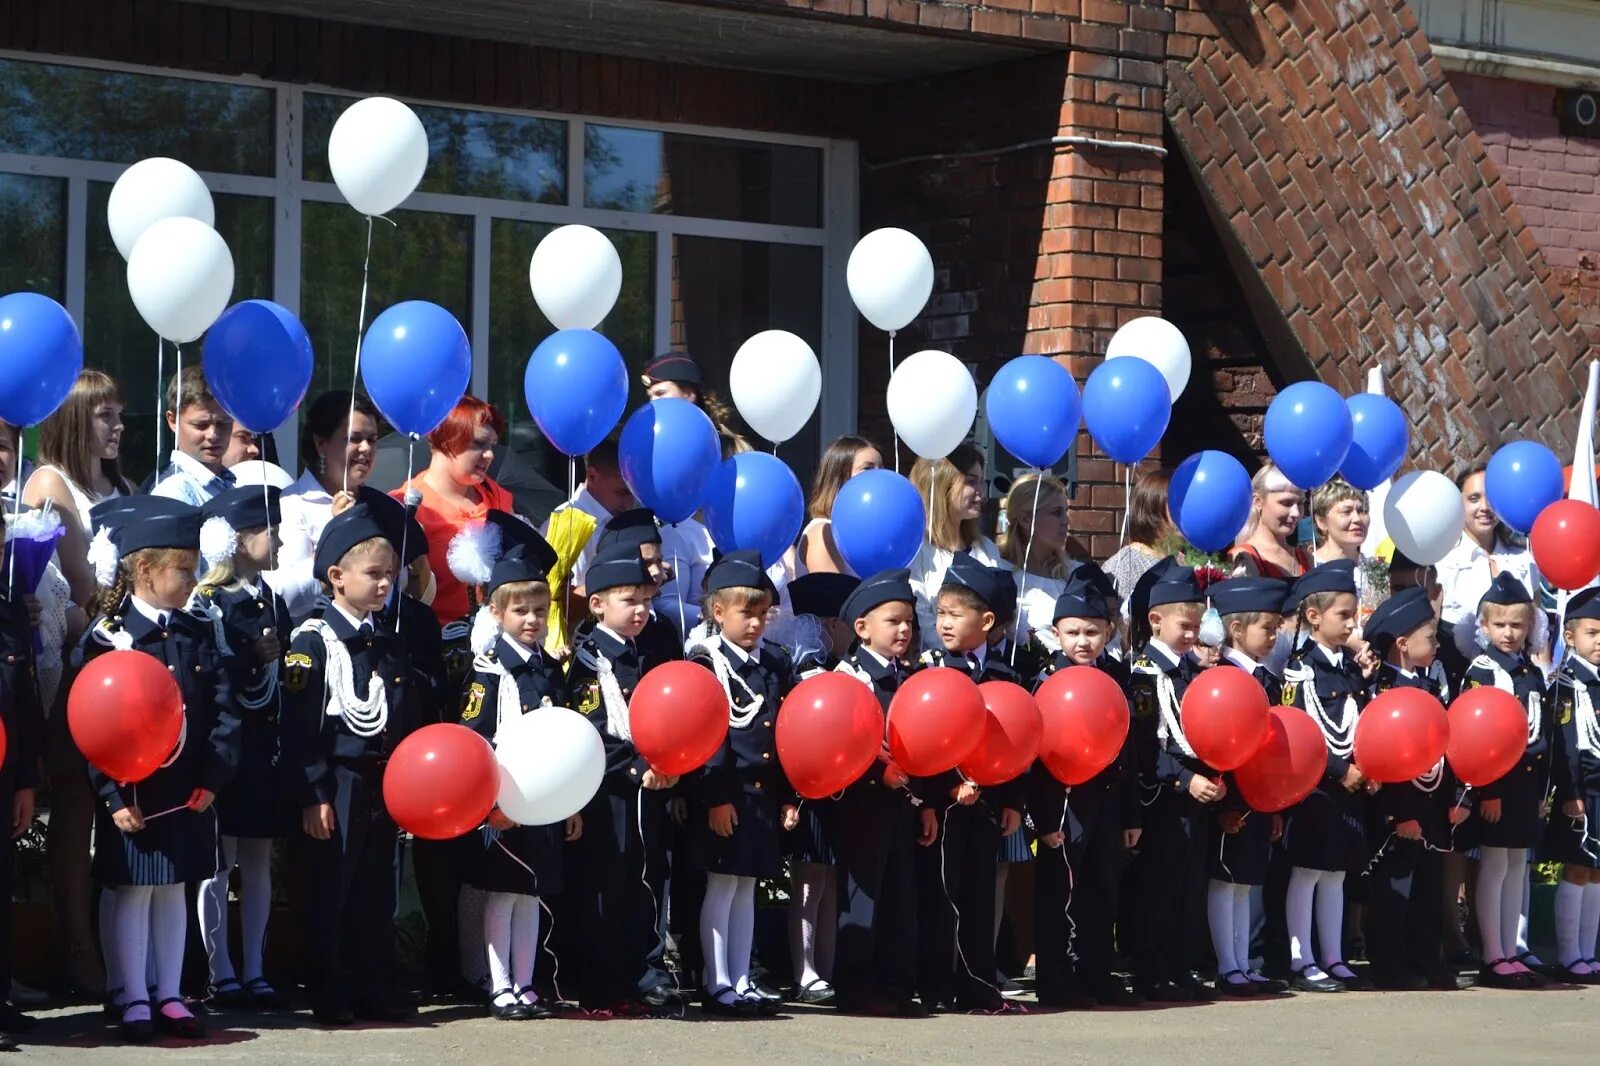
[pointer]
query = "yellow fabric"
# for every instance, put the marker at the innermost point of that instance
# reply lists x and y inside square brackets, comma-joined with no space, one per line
[570,530]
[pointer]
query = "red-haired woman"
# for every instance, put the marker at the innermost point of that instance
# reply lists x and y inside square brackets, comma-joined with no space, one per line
[456,489]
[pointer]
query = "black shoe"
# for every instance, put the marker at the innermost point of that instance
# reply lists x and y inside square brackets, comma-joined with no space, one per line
[190,1028]
[1353,983]
[514,1011]
[260,995]
[8,1044]
[1240,989]
[226,994]
[138,1032]
[537,1011]
[1068,999]
[1399,980]
[1444,979]
[762,992]
[335,1012]
[384,1009]
[1199,991]
[662,997]
[1011,989]
[1301,983]
[1487,977]
[868,1007]
[13,1020]
[817,993]
[1114,993]
[1164,992]
[1267,986]
[738,1008]
[910,1008]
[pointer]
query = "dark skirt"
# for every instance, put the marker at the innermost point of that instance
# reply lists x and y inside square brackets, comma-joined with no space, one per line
[1241,858]
[1327,831]
[1575,841]
[257,802]
[1014,848]
[754,849]
[533,867]
[812,840]
[1521,792]
[173,849]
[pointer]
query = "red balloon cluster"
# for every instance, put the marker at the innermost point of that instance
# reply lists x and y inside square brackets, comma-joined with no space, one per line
[1287,766]
[678,716]
[830,728]
[1085,717]
[1224,717]
[1488,735]
[441,781]
[1401,734]
[1565,540]
[936,719]
[1012,730]
[125,714]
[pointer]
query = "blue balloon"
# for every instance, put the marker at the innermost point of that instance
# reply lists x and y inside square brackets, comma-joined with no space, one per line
[878,522]
[577,387]
[1308,430]
[1378,440]
[41,354]
[1210,499]
[416,364]
[257,359]
[1033,407]
[1523,478]
[754,503]
[668,452]
[1126,407]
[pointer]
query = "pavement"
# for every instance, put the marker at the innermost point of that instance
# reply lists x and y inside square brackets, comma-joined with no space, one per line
[1460,1028]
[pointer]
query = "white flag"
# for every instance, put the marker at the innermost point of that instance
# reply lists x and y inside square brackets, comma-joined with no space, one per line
[1583,480]
[1376,533]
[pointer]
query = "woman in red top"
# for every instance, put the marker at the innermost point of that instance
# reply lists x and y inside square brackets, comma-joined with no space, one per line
[1275,510]
[456,490]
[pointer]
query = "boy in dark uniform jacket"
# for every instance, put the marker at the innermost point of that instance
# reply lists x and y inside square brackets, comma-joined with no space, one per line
[1089,826]
[877,821]
[1405,917]
[349,692]
[624,845]
[516,865]
[1510,811]
[1574,836]
[1178,790]
[956,881]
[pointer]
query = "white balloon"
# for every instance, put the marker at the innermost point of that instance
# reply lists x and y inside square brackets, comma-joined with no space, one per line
[776,382]
[551,762]
[575,275]
[1424,516]
[890,275]
[260,472]
[932,402]
[151,190]
[377,152]
[180,276]
[1159,343]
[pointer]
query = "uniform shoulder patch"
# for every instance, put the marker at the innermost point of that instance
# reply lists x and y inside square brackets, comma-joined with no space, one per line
[589,698]
[297,666]
[1291,689]
[1144,702]
[473,705]
[1564,715]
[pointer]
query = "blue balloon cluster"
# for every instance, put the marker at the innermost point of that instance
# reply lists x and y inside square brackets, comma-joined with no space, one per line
[878,522]
[416,364]
[1523,478]
[754,503]
[257,359]
[1126,407]
[1033,408]
[1308,430]
[668,452]
[41,354]
[1209,499]
[577,387]
[1378,440]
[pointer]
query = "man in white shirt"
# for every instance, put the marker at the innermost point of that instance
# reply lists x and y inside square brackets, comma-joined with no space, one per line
[603,493]
[203,432]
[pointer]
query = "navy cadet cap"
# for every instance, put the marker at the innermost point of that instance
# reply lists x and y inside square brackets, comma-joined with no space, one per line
[984,581]
[738,570]
[822,595]
[246,507]
[673,366]
[1249,595]
[1096,577]
[1337,576]
[526,555]
[1505,590]
[344,531]
[887,586]
[1082,597]
[615,567]
[137,522]
[1176,584]
[400,526]
[1585,604]
[1402,613]
[632,529]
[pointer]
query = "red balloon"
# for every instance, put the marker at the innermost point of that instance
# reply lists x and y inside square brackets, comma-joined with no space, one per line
[441,781]
[830,729]
[679,717]
[125,714]
[1401,735]
[1488,735]
[935,721]
[1566,543]
[1224,717]
[1012,729]
[1085,715]
[1287,766]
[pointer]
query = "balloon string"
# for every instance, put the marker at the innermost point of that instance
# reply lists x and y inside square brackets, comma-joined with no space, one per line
[177,407]
[405,529]
[550,925]
[955,910]
[355,373]
[1127,502]
[894,437]
[678,582]
[161,393]
[1022,582]
[644,879]
[11,551]
[1066,908]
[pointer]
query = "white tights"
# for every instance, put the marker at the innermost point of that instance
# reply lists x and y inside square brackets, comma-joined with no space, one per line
[1499,899]
[511,932]
[813,921]
[1228,908]
[1326,889]
[727,928]
[253,856]
[150,920]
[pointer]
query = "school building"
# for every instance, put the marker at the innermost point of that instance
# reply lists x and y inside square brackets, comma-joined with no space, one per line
[1306,187]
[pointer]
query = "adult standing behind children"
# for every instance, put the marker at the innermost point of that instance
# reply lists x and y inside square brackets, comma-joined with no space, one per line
[1035,546]
[201,432]
[1149,529]
[1265,548]
[842,460]
[1485,551]
[678,376]
[952,491]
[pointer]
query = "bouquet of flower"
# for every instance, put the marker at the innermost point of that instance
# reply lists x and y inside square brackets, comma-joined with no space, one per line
[30,542]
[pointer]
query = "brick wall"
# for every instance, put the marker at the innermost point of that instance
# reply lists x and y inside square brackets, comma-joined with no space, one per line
[1554,180]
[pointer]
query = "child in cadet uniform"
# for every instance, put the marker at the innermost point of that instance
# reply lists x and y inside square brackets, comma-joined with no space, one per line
[817,637]
[1403,914]
[516,865]
[238,541]
[1088,826]
[156,835]
[740,798]
[1241,839]
[1326,835]
[1025,657]
[956,889]
[1510,811]
[639,530]
[22,720]
[1178,789]
[348,702]
[877,820]
[1573,838]
[624,845]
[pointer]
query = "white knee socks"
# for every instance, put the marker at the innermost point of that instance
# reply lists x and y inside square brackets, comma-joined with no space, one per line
[812,922]
[1330,918]
[169,926]
[1499,899]
[130,931]
[742,934]
[828,924]
[1569,912]
[1326,889]
[1225,903]
[253,856]
[511,935]
[715,913]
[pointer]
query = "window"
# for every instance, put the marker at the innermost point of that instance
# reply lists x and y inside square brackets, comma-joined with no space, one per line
[33,214]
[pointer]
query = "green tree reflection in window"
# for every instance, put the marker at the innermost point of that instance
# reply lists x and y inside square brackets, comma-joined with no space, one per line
[33,232]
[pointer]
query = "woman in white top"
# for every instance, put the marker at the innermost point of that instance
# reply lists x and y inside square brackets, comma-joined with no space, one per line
[1485,551]
[338,450]
[1035,544]
[952,491]
[844,459]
